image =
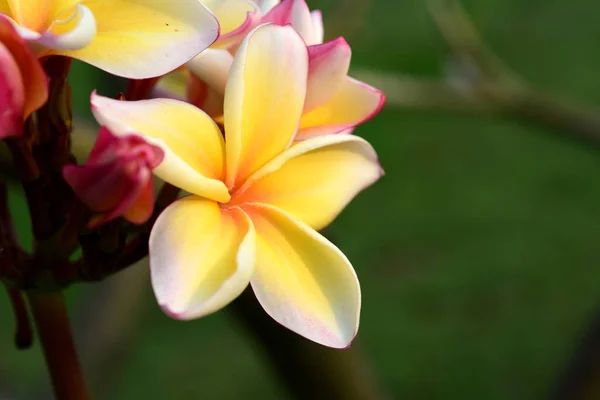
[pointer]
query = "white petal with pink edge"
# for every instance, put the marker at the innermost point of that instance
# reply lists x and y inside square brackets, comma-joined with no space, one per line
[201,257]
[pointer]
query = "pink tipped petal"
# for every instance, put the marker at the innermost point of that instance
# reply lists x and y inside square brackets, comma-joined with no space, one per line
[192,142]
[201,257]
[12,95]
[212,67]
[295,13]
[144,39]
[354,103]
[236,17]
[117,178]
[302,280]
[130,191]
[328,65]
[317,21]
[36,90]
[264,98]
[315,179]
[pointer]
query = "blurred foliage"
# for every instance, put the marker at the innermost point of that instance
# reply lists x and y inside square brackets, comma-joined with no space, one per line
[477,252]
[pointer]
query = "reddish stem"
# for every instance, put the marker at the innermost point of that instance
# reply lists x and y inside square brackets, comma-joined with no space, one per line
[140,89]
[52,323]
[24,333]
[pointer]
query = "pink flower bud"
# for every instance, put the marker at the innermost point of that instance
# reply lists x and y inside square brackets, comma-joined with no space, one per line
[23,83]
[116,181]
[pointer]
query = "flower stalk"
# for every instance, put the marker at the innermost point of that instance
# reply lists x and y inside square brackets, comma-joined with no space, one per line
[24,332]
[52,324]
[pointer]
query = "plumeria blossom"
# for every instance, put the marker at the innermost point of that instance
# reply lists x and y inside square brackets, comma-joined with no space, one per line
[335,102]
[23,84]
[257,198]
[130,38]
[116,181]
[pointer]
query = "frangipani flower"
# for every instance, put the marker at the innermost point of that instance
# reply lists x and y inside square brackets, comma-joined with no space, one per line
[116,181]
[130,38]
[257,200]
[335,102]
[23,84]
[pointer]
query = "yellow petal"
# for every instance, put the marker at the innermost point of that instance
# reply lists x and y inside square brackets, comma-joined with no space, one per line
[192,142]
[5,8]
[314,179]
[354,103]
[146,38]
[263,99]
[302,280]
[201,257]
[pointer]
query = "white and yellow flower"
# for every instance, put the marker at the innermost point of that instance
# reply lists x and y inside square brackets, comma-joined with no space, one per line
[257,197]
[131,38]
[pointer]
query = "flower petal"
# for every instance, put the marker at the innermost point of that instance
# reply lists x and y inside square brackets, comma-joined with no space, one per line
[143,39]
[317,21]
[266,5]
[264,98]
[141,210]
[354,103]
[315,179]
[36,15]
[36,89]
[117,178]
[107,189]
[192,142]
[302,280]
[74,32]
[236,18]
[295,13]
[12,95]
[212,66]
[201,257]
[328,65]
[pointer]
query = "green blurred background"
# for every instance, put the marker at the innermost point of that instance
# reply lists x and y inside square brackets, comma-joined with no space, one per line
[477,252]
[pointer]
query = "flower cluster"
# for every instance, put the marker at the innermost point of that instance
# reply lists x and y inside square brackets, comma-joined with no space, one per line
[251,116]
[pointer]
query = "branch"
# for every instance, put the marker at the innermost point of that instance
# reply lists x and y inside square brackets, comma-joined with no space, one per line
[480,82]
[52,323]
[309,370]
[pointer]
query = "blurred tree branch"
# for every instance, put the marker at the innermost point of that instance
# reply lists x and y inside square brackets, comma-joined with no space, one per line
[478,81]
[580,380]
